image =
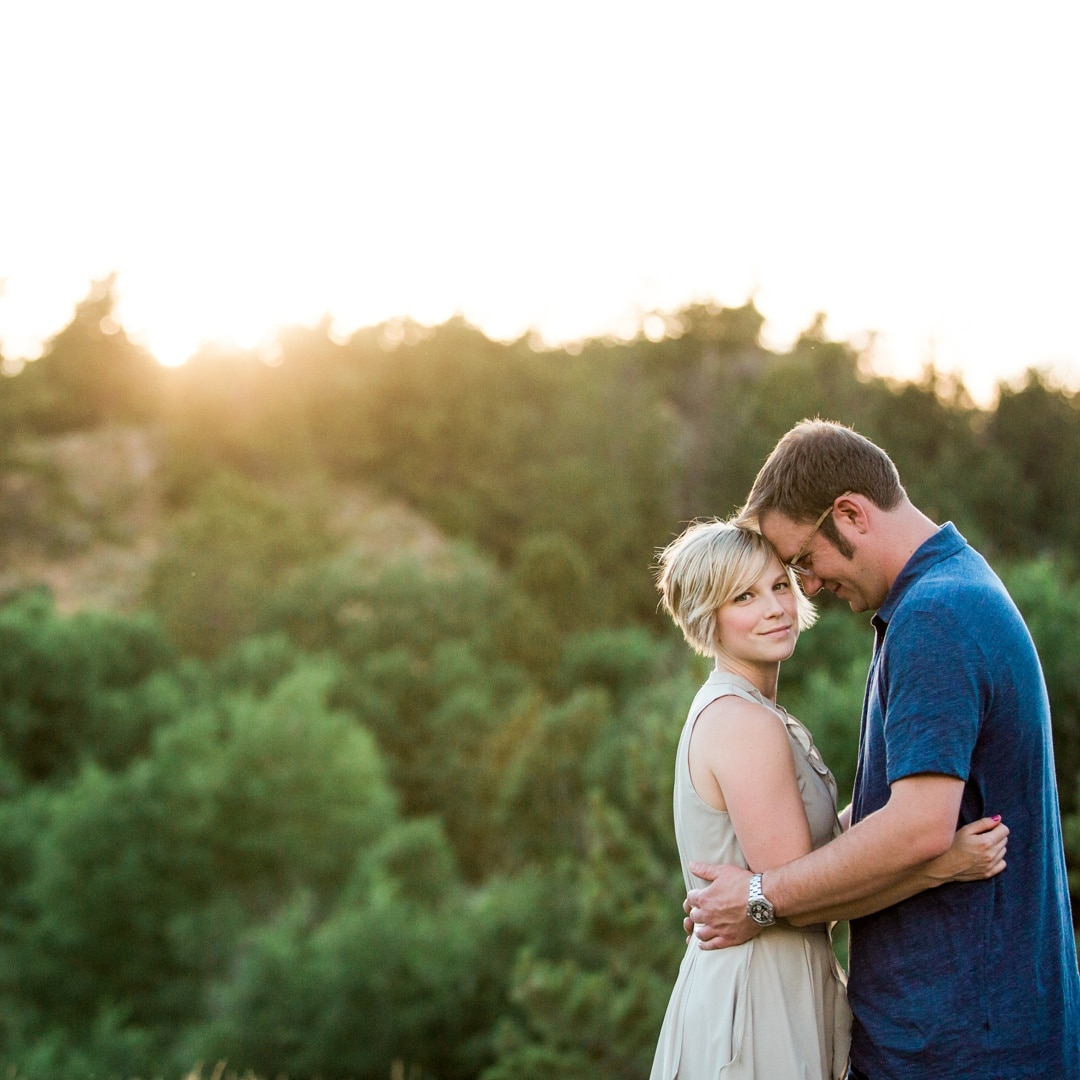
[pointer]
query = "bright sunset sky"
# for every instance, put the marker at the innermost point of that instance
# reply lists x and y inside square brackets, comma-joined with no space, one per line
[910,169]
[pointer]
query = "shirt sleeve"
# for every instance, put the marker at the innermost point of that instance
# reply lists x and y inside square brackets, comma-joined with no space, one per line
[935,686]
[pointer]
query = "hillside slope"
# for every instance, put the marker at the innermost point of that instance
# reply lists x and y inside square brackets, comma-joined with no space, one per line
[83,515]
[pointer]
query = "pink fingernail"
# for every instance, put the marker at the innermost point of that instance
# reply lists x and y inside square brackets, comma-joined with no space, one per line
[996,817]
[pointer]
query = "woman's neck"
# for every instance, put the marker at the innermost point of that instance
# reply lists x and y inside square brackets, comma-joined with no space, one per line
[763,677]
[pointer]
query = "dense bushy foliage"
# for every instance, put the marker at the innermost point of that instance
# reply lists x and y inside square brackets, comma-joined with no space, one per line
[321,810]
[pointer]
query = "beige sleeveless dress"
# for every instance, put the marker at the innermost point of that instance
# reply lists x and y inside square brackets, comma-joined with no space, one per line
[776,1007]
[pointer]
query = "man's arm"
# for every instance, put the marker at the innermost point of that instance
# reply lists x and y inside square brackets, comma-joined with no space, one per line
[916,825]
[977,853]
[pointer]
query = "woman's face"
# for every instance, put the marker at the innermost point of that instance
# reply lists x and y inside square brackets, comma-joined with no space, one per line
[760,625]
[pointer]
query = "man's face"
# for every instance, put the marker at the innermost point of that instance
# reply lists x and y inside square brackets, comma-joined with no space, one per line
[820,564]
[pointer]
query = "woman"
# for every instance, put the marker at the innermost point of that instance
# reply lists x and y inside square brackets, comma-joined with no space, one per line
[751,789]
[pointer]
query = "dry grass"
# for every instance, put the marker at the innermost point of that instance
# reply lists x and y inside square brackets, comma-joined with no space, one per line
[94,546]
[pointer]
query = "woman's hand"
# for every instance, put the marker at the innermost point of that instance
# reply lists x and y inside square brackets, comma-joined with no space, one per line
[977,853]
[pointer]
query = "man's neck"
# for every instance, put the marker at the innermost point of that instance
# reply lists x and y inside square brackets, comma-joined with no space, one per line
[906,529]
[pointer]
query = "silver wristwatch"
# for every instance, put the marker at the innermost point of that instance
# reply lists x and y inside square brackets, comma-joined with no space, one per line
[757,907]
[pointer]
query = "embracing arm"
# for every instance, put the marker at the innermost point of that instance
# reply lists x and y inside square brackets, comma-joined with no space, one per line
[741,762]
[976,853]
[876,857]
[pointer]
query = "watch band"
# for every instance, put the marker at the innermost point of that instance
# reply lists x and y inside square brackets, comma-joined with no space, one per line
[758,906]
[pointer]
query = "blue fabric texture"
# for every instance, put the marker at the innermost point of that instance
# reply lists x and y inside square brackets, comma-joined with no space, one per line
[977,979]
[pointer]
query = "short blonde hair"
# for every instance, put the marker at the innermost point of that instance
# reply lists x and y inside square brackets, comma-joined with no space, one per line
[710,563]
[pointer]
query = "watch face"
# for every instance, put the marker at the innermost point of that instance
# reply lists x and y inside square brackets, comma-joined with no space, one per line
[761,911]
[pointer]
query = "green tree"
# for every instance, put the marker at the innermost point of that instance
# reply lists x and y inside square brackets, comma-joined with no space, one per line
[77,688]
[231,411]
[398,971]
[212,583]
[592,1003]
[137,886]
[1037,429]
[90,374]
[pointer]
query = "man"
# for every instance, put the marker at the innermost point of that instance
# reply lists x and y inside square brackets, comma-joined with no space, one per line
[967,980]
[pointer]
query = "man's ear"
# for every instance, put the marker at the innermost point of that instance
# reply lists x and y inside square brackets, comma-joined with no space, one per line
[854,511]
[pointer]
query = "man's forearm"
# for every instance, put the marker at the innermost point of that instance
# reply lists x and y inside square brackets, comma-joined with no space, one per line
[882,855]
[977,853]
[874,857]
[914,882]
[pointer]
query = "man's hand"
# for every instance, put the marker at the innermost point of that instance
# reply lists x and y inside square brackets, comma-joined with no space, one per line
[716,915]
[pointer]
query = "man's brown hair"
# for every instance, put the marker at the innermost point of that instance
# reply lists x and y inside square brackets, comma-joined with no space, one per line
[816,461]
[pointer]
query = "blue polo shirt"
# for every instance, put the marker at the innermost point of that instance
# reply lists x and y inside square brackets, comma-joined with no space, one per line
[980,979]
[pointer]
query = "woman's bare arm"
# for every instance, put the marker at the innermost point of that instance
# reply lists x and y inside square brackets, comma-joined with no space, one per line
[741,761]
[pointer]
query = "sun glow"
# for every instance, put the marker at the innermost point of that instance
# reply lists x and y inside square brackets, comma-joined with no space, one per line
[362,163]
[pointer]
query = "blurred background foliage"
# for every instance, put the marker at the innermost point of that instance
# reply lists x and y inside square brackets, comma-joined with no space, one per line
[337,719]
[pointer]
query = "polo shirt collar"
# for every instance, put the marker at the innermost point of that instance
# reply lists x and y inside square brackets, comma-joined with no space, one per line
[945,542]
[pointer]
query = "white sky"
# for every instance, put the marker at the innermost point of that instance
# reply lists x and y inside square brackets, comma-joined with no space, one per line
[909,169]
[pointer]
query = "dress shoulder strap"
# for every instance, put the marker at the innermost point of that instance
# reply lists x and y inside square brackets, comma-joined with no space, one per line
[726,684]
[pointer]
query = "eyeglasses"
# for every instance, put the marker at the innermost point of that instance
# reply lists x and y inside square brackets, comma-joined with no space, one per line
[793,562]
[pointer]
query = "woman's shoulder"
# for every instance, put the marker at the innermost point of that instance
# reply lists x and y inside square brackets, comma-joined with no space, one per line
[727,686]
[740,715]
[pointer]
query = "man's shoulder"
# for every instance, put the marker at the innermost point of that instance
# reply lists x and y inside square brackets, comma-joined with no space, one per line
[959,611]
[955,587]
